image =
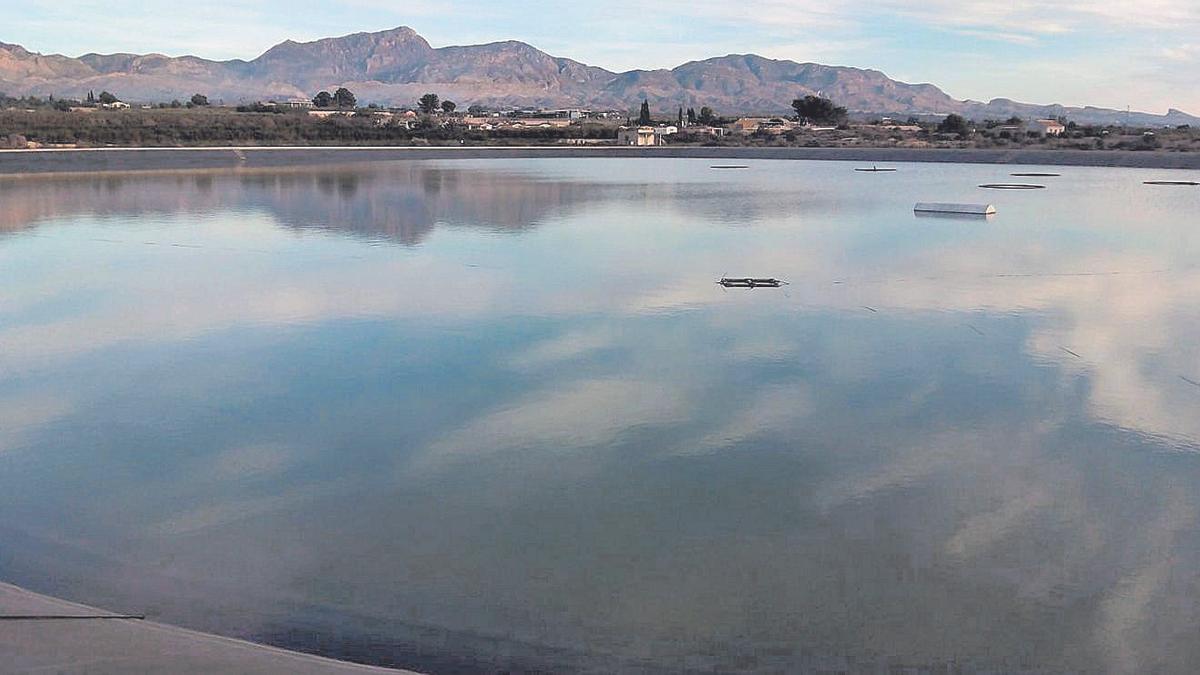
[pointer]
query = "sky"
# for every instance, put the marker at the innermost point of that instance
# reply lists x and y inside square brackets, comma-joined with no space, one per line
[1111,53]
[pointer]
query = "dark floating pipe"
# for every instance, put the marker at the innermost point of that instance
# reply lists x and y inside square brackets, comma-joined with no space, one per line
[750,282]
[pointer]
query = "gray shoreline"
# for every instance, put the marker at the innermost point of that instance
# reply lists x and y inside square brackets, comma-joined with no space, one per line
[25,162]
[46,634]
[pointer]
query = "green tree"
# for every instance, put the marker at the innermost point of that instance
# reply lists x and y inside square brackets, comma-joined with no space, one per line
[449,107]
[344,98]
[199,100]
[707,116]
[954,124]
[429,103]
[691,115]
[477,109]
[323,99]
[106,98]
[644,115]
[817,110]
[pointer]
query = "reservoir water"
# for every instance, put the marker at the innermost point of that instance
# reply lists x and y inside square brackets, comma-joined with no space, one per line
[489,415]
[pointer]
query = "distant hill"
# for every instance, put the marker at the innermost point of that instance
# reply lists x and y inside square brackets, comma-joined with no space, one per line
[397,66]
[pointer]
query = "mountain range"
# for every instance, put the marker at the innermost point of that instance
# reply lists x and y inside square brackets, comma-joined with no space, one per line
[395,67]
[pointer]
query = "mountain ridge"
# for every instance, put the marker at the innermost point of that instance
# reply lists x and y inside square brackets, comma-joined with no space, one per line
[396,66]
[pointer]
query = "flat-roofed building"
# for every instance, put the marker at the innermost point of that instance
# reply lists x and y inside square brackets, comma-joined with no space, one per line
[639,136]
[1047,128]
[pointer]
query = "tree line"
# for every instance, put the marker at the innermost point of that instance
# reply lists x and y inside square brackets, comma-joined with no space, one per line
[809,110]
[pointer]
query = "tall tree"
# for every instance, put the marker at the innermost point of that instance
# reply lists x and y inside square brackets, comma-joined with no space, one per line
[449,107]
[691,115]
[323,99]
[954,124]
[707,116]
[644,116]
[429,103]
[816,110]
[344,98]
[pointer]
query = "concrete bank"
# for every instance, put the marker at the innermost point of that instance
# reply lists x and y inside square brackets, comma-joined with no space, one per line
[19,162]
[104,646]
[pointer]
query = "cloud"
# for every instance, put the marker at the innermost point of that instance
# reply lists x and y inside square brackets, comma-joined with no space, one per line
[1184,53]
[22,415]
[563,418]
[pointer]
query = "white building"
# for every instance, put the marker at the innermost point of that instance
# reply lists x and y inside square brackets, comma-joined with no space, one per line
[645,136]
[703,130]
[640,136]
[1047,128]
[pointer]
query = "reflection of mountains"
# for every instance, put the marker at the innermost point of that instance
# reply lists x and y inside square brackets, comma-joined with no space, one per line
[399,203]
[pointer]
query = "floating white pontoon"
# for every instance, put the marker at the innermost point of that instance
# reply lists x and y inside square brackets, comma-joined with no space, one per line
[968,209]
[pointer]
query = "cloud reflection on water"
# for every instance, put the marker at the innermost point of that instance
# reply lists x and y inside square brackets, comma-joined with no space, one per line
[507,399]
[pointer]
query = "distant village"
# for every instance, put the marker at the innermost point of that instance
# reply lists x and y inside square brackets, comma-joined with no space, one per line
[337,116]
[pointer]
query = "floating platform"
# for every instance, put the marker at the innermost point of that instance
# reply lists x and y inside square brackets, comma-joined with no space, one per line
[1034,174]
[1012,186]
[962,209]
[729,166]
[1171,182]
[875,169]
[750,282]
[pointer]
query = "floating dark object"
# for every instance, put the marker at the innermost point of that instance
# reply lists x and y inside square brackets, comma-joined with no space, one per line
[750,282]
[1171,182]
[1034,174]
[958,209]
[1012,186]
[875,169]
[729,166]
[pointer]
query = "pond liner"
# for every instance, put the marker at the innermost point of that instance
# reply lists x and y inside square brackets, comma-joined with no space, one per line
[751,282]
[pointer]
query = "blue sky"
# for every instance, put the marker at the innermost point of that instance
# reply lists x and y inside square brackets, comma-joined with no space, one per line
[1101,52]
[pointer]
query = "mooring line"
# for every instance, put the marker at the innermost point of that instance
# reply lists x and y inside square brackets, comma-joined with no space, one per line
[69,617]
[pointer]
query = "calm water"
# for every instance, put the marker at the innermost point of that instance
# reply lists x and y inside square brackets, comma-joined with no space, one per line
[485,415]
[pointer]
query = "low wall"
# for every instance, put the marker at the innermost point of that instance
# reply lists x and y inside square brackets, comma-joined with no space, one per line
[168,159]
